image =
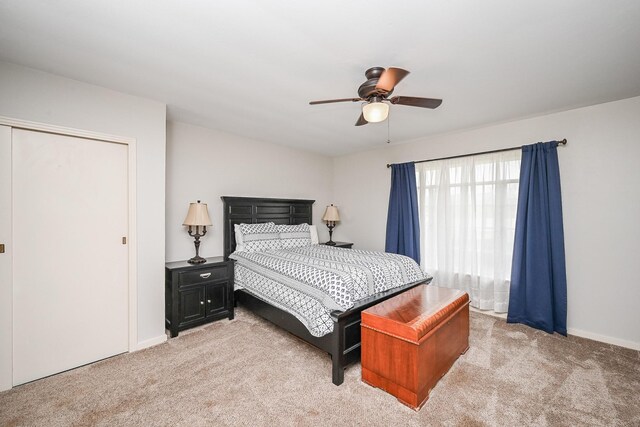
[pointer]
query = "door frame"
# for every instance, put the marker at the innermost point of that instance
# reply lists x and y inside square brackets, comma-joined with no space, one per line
[131,233]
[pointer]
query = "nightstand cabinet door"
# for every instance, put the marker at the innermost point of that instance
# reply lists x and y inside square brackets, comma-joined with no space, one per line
[192,306]
[217,300]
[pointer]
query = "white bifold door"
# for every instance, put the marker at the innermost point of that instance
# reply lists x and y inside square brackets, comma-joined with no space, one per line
[69,213]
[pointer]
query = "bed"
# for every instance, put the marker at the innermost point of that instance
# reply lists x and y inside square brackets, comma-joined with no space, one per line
[341,339]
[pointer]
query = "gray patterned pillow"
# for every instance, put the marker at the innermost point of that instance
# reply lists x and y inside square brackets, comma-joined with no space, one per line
[294,236]
[260,237]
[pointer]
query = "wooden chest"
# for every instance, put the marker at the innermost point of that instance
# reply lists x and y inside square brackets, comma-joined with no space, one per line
[411,340]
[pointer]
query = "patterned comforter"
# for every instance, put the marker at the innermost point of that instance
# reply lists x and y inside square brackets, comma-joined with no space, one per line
[312,281]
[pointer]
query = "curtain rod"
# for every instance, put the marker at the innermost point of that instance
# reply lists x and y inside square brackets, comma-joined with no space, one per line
[563,142]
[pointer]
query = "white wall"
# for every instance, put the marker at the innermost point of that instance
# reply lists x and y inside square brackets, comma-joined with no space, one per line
[204,164]
[600,171]
[37,96]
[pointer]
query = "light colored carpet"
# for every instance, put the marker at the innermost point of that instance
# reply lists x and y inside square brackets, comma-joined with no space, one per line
[247,372]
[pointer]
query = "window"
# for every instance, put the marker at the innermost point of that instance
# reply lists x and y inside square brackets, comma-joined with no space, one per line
[467,218]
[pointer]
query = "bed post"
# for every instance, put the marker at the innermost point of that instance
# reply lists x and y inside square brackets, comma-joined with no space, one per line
[337,352]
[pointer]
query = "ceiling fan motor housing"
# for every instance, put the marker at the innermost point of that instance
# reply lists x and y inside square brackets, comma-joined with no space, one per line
[368,88]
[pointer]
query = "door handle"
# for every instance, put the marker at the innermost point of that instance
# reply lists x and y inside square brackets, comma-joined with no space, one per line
[1,248]
[209,301]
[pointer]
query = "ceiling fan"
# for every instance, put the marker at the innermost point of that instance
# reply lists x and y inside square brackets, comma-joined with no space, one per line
[375,92]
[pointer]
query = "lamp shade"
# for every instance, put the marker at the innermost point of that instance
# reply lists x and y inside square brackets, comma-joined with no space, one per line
[198,214]
[374,112]
[331,214]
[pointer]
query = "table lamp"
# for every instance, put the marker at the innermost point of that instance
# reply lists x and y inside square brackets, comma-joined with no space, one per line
[197,219]
[331,216]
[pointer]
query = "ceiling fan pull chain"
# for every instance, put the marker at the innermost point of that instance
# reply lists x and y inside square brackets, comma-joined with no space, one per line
[388,131]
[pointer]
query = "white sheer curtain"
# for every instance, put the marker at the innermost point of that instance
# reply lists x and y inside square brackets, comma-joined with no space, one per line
[467,220]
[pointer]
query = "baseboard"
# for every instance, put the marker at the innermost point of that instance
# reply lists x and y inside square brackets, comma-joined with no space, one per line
[603,338]
[575,332]
[150,342]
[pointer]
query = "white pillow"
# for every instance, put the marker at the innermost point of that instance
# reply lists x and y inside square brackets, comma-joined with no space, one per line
[260,237]
[314,234]
[239,241]
[313,230]
[294,236]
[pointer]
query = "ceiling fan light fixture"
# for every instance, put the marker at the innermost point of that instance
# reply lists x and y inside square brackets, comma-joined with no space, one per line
[375,111]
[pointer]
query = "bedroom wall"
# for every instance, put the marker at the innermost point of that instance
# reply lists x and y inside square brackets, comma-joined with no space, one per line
[601,202]
[205,164]
[37,96]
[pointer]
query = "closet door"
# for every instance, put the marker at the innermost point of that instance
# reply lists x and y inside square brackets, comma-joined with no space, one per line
[5,259]
[70,266]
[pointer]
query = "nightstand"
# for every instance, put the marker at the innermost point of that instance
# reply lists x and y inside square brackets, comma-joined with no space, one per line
[197,293]
[345,245]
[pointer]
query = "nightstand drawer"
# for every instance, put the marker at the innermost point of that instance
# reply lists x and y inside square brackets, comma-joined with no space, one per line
[203,275]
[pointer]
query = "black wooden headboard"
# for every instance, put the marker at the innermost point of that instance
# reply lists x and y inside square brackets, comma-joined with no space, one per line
[252,210]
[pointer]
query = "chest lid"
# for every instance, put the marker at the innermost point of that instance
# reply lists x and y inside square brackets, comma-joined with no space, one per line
[412,314]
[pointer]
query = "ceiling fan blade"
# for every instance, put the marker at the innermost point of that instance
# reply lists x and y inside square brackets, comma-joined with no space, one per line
[416,102]
[390,78]
[329,101]
[361,120]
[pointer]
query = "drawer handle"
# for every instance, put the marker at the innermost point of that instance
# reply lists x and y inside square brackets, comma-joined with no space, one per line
[205,275]
[201,302]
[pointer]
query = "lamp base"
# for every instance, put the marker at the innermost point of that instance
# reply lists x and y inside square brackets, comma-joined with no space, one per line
[330,225]
[197,259]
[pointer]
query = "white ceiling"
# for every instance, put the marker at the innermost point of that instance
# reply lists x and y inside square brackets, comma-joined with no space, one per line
[251,67]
